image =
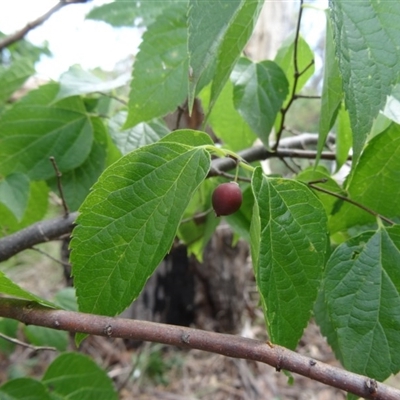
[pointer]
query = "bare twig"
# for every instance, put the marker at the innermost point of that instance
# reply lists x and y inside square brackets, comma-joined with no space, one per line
[15,37]
[27,345]
[40,232]
[227,345]
[59,184]
[348,200]
[64,264]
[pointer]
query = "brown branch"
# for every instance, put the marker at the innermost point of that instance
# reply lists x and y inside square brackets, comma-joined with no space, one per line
[15,37]
[59,185]
[43,231]
[227,345]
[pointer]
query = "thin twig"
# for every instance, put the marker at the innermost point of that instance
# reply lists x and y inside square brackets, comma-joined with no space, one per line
[64,264]
[27,345]
[59,184]
[305,96]
[348,200]
[111,96]
[233,346]
[296,77]
[15,37]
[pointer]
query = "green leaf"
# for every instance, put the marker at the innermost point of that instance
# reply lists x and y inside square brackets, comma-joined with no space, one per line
[225,121]
[9,288]
[129,220]
[199,221]
[130,13]
[207,27]
[75,376]
[259,90]
[41,336]
[131,139]
[13,77]
[35,210]
[289,243]
[8,327]
[14,194]
[366,35]
[240,221]
[66,299]
[158,86]
[332,92]
[77,81]
[375,182]
[361,293]
[235,38]
[24,388]
[77,183]
[32,131]
[344,137]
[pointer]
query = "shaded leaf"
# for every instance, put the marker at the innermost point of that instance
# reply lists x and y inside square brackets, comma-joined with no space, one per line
[24,388]
[130,13]
[130,139]
[74,376]
[32,131]
[41,336]
[8,287]
[158,84]
[77,81]
[332,92]
[361,295]
[289,243]
[259,90]
[379,163]
[14,193]
[225,121]
[367,45]
[13,77]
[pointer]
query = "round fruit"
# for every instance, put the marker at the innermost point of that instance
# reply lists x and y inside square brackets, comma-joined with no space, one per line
[227,199]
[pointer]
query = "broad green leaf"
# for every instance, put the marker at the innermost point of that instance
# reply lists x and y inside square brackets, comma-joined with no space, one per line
[332,92]
[158,84]
[130,13]
[375,182]
[207,27]
[129,220]
[188,137]
[289,243]
[35,210]
[130,139]
[9,288]
[14,193]
[361,295]
[77,81]
[225,121]
[367,45]
[235,38]
[259,90]
[77,183]
[24,388]
[75,376]
[41,336]
[32,131]
[13,77]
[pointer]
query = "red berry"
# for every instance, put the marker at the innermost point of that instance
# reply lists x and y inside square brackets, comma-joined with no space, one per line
[227,199]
